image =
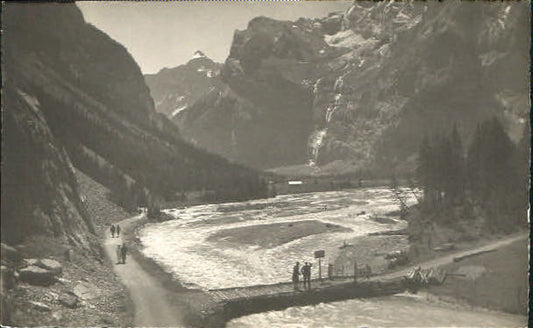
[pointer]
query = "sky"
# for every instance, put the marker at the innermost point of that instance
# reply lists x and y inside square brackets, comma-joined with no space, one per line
[167,33]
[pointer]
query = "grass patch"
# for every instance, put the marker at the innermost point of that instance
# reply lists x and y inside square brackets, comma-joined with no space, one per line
[502,285]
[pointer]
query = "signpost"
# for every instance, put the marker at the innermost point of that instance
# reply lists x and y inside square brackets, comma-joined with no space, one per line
[318,255]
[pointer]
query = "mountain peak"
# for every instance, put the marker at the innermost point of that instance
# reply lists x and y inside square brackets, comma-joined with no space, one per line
[199,54]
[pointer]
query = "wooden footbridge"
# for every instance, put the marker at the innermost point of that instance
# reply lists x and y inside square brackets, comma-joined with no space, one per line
[240,301]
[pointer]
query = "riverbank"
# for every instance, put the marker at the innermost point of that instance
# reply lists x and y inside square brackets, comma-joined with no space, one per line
[496,280]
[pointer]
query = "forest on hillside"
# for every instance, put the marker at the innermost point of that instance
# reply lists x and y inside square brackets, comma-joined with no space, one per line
[487,178]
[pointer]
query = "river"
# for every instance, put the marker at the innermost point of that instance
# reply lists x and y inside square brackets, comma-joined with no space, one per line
[403,310]
[181,246]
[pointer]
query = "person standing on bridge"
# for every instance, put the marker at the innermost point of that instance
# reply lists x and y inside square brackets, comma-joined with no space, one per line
[296,276]
[118,231]
[112,231]
[304,274]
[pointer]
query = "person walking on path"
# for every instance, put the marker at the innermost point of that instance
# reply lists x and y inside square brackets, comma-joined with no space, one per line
[296,275]
[123,252]
[118,230]
[119,254]
[309,265]
[112,231]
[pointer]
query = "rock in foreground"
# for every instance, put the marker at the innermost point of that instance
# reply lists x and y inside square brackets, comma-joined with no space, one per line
[35,275]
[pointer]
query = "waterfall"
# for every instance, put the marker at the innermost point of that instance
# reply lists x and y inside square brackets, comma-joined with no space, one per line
[316,139]
[338,84]
[331,108]
[315,143]
[329,113]
[315,86]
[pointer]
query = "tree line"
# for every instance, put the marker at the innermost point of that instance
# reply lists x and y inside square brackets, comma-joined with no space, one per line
[488,177]
[139,167]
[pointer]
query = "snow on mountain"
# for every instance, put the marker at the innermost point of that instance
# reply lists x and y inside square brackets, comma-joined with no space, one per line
[174,88]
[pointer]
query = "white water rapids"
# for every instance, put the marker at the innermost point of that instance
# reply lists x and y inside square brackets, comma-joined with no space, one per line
[181,247]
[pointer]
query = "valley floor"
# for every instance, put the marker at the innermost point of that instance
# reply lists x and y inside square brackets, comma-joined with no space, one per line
[169,303]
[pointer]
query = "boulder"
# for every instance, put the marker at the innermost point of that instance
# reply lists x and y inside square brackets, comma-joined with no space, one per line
[51,265]
[40,306]
[69,300]
[85,291]
[35,275]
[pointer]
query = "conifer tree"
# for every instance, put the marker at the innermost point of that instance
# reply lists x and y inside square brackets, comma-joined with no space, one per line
[424,169]
[457,169]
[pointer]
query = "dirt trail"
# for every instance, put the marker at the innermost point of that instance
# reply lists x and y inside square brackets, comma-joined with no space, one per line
[439,261]
[148,295]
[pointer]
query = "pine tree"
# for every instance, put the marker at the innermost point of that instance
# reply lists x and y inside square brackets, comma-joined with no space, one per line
[473,166]
[424,174]
[457,169]
[443,172]
[492,176]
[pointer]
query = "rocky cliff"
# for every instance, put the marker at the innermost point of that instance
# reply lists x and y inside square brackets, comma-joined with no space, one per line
[363,87]
[74,97]
[39,189]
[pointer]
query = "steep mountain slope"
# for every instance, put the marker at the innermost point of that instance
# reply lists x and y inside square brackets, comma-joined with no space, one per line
[39,189]
[365,86]
[176,88]
[73,94]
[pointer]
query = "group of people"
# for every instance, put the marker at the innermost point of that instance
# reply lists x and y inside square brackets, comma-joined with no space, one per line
[122,249]
[115,230]
[305,271]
